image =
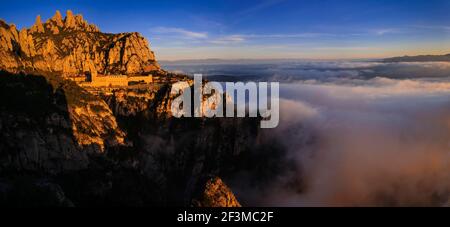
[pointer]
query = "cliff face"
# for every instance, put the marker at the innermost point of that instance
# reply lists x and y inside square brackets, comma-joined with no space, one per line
[51,126]
[73,47]
[179,153]
[119,147]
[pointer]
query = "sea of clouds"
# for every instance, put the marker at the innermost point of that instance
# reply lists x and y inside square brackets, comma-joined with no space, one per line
[292,70]
[377,142]
[358,133]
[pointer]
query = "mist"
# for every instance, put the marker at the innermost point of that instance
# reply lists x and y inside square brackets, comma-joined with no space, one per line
[295,70]
[353,133]
[378,142]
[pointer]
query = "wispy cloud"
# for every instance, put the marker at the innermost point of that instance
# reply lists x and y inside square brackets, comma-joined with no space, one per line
[239,38]
[312,35]
[231,39]
[281,36]
[244,14]
[205,22]
[183,33]
[384,31]
[261,6]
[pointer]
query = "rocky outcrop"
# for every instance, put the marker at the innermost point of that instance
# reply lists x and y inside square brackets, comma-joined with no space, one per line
[122,147]
[178,153]
[37,27]
[215,193]
[90,151]
[71,46]
[95,125]
[52,126]
[119,147]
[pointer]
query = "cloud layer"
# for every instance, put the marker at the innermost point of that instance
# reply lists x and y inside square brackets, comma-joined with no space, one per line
[352,133]
[385,142]
[378,142]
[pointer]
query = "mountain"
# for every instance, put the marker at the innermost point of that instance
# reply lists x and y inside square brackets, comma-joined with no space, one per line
[63,145]
[71,46]
[420,58]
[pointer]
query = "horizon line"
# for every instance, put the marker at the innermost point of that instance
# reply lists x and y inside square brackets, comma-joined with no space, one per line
[267,59]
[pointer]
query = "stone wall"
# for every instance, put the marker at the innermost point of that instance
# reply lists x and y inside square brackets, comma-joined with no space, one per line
[117,80]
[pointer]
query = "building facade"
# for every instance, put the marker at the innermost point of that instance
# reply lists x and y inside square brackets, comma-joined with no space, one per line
[94,80]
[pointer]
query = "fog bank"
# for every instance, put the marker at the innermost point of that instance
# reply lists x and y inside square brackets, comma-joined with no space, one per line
[374,142]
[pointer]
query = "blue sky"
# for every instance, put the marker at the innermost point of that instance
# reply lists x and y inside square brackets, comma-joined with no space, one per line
[233,29]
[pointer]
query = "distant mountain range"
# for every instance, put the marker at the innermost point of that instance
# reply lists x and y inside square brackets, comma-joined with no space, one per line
[420,58]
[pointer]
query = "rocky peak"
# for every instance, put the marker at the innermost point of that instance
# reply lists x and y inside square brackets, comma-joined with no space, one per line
[69,22]
[72,47]
[13,30]
[77,23]
[37,27]
[57,18]
[215,193]
[38,20]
